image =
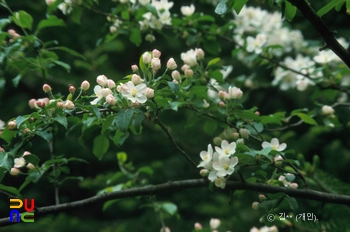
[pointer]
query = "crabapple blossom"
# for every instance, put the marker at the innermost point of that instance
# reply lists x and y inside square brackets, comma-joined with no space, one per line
[134,93]
[206,157]
[85,85]
[226,148]
[234,93]
[102,80]
[275,144]
[325,57]
[187,10]
[225,165]
[214,223]
[189,57]
[19,162]
[255,44]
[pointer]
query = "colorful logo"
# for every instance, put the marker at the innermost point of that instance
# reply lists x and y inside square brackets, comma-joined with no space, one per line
[27,216]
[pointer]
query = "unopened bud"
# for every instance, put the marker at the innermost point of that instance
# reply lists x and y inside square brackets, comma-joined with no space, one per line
[244,133]
[134,68]
[149,93]
[69,105]
[85,85]
[146,58]
[222,104]
[102,80]
[188,73]
[15,171]
[293,185]
[204,172]
[156,64]
[110,84]
[222,95]
[32,103]
[327,110]
[199,53]
[262,197]
[60,105]
[47,88]
[197,226]
[255,205]
[136,79]
[71,89]
[111,99]
[171,64]
[176,75]
[156,53]
[11,125]
[217,141]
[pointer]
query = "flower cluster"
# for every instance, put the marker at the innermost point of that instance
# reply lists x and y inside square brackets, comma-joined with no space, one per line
[20,163]
[219,164]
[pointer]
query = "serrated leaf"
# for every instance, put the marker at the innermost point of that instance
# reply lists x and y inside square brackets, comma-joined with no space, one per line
[22,19]
[61,120]
[70,51]
[307,119]
[62,64]
[290,11]
[123,119]
[100,146]
[11,190]
[51,21]
[6,160]
[210,127]
[238,5]
[169,207]
[33,159]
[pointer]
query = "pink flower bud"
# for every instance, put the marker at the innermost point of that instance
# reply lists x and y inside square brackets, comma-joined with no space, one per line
[15,171]
[262,197]
[136,79]
[235,93]
[69,105]
[110,84]
[11,125]
[46,88]
[223,95]
[2,149]
[134,68]
[222,104]
[255,205]
[102,80]
[146,58]
[119,88]
[156,53]
[293,185]
[60,105]
[32,103]
[171,64]
[30,166]
[176,75]
[11,31]
[197,226]
[214,223]
[105,92]
[112,29]
[149,93]
[71,89]
[40,104]
[185,67]
[188,73]
[85,85]
[26,130]
[155,64]
[199,53]
[111,99]
[26,153]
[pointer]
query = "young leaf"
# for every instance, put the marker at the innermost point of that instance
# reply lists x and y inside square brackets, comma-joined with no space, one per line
[307,119]
[6,160]
[210,127]
[123,119]
[22,19]
[238,5]
[33,159]
[169,207]
[290,11]
[51,21]
[100,146]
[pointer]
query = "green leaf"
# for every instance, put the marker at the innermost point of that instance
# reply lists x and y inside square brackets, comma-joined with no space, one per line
[8,135]
[46,134]
[238,5]
[20,120]
[173,86]
[16,80]
[290,11]
[70,51]
[138,119]
[224,6]
[135,36]
[100,146]
[123,119]
[62,64]
[169,207]
[122,157]
[51,21]
[3,23]
[6,160]
[11,190]
[107,204]
[292,203]
[120,137]
[22,19]
[107,123]
[2,173]
[175,105]
[324,10]
[61,120]
[213,61]
[348,5]
[33,159]
[148,170]
[210,127]
[307,119]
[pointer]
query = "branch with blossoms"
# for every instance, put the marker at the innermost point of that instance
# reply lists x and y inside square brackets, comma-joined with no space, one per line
[175,186]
